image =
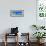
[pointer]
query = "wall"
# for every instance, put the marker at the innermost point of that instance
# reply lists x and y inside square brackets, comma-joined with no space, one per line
[24,23]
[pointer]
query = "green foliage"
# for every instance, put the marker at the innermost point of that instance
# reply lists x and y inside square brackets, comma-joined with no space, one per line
[39,35]
[40,27]
[35,27]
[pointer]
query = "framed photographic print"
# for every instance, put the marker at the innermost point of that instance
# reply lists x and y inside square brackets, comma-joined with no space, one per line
[41,12]
[41,8]
[17,13]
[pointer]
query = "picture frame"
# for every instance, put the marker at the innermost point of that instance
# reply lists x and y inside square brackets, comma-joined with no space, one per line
[41,8]
[17,13]
[41,12]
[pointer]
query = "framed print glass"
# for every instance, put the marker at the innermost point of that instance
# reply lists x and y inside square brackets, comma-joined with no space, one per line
[41,8]
[17,13]
[41,12]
